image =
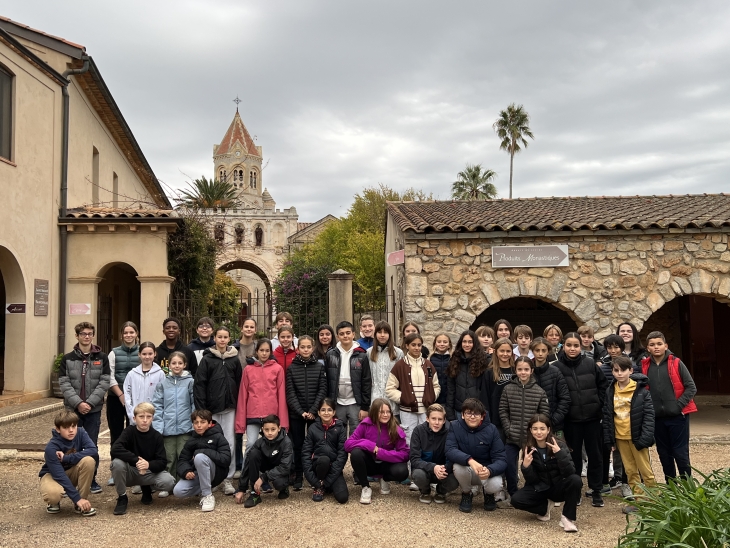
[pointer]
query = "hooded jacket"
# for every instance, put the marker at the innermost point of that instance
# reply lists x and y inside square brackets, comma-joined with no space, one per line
[198,347]
[587,385]
[542,474]
[518,405]
[441,363]
[460,388]
[482,444]
[213,444]
[324,441]
[139,386]
[380,372]
[359,375]
[366,436]
[641,415]
[217,380]
[122,360]
[551,380]
[262,392]
[284,357]
[162,356]
[280,446]
[84,375]
[174,402]
[306,386]
[73,451]
[428,448]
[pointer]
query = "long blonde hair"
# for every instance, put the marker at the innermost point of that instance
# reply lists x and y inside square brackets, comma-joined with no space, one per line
[494,363]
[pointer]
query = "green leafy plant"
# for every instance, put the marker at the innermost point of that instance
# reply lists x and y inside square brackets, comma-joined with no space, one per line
[56,367]
[684,513]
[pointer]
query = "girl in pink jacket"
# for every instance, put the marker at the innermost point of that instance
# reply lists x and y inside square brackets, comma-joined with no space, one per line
[262,392]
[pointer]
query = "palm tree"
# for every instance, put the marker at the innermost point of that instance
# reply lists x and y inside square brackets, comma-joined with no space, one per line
[474,183]
[208,193]
[512,126]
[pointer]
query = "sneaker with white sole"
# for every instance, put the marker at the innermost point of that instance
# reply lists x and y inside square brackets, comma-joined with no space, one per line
[366,495]
[413,487]
[425,498]
[110,483]
[236,474]
[626,491]
[53,508]
[86,513]
[137,490]
[438,498]
[95,489]
[163,494]
[384,487]
[557,504]
[546,516]
[568,525]
[228,488]
[207,503]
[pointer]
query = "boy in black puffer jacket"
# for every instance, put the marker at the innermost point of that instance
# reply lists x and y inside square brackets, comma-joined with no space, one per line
[628,423]
[204,460]
[306,387]
[324,456]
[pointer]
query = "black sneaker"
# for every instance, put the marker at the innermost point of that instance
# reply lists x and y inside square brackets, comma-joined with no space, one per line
[95,488]
[465,505]
[283,494]
[597,500]
[121,508]
[318,495]
[266,488]
[252,500]
[298,484]
[489,503]
[147,494]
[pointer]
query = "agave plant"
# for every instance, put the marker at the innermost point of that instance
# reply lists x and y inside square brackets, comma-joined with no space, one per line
[207,194]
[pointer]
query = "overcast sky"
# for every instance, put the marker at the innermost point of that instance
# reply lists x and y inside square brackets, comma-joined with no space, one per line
[624,97]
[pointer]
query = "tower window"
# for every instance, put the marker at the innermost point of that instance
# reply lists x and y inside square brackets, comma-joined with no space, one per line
[252,179]
[240,174]
[235,176]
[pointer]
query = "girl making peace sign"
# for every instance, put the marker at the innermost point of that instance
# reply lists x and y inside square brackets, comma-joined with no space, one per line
[549,475]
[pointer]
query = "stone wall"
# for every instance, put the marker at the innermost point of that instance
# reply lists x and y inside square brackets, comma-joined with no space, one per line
[611,278]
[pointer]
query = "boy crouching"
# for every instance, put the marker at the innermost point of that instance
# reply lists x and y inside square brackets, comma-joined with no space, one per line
[203,463]
[269,460]
[70,464]
[139,458]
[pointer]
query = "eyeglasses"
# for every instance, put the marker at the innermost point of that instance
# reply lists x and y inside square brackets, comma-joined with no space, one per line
[205,326]
[471,414]
[385,412]
[86,334]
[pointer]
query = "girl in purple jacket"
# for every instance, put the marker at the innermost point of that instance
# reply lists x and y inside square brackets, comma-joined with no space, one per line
[378,447]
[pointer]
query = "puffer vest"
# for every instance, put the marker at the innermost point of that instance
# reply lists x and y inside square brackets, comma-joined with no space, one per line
[125,359]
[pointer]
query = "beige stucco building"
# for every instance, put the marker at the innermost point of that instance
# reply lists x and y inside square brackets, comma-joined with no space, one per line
[83,231]
[660,262]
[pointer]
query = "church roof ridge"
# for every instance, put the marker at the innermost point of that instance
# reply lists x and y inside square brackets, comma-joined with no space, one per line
[237,132]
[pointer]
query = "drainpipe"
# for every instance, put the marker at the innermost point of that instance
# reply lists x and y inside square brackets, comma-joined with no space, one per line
[63,248]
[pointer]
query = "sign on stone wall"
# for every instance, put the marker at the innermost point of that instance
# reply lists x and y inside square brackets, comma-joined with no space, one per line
[529,256]
[40,300]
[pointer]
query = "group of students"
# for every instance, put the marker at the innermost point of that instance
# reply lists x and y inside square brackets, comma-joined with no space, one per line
[454,418]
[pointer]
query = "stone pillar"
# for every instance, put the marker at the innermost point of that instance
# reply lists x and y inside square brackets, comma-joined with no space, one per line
[154,296]
[340,297]
[81,290]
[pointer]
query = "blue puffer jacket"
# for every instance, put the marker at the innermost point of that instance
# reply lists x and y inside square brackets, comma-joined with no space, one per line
[173,401]
[482,444]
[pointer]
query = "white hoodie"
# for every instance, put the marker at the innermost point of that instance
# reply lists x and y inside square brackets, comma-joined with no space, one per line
[140,387]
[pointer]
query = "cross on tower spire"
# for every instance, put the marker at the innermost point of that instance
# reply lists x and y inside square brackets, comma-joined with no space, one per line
[237,100]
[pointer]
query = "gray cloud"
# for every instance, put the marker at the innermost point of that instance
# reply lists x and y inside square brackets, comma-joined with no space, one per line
[625,98]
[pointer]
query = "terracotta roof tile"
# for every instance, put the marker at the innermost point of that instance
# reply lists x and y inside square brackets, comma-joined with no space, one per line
[118,213]
[21,25]
[302,226]
[566,213]
[237,132]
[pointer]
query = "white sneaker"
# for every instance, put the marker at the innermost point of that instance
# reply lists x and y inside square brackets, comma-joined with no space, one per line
[228,488]
[163,494]
[137,490]
[413,487]
[384,487]
[610,470]
[207,503]
[366,495]
[626,491]
[567,525]
[557,504]
[499,496]
[546,517]
[236,474]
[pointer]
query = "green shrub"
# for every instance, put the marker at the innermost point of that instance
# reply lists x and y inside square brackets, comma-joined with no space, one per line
[684,513]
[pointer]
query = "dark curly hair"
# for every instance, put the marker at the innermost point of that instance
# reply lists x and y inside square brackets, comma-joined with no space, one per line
[479,361]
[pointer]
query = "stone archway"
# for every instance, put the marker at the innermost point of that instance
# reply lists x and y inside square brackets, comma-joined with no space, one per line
[119,300]
[13,326]
[255,302]
[532,311]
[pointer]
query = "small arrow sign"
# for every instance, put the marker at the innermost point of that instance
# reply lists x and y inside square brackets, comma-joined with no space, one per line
[15,309]
[79,309]
[529,256]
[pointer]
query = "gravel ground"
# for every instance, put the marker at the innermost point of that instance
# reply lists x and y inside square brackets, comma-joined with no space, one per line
[395,519]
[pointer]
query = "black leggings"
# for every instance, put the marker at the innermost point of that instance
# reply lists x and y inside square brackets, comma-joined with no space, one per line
[116,416]
[297,431]
[364,465]
[536,502]
[321,466]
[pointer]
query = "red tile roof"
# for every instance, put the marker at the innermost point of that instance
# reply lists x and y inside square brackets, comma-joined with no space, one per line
[237,132]
[564,214]
[302,226]
[21,25]
[118,213]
